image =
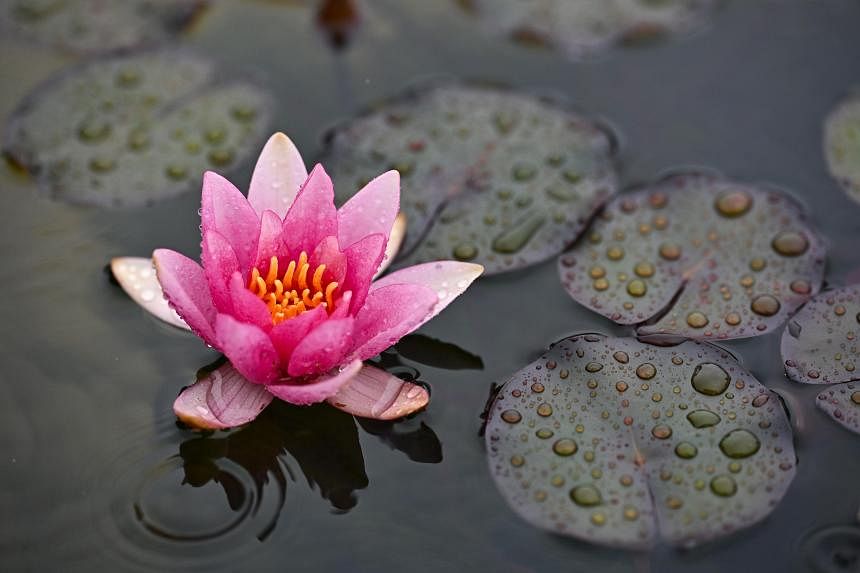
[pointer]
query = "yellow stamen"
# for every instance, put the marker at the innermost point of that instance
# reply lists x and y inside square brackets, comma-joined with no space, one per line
[317,280]
[255,274]
[303,276]
[273,270]
[261,286]
[329,293]
[288,276]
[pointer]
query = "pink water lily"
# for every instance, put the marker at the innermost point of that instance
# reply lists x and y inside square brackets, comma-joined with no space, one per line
[286,287]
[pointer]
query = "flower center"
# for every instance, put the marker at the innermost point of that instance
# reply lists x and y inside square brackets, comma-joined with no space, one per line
[294,292]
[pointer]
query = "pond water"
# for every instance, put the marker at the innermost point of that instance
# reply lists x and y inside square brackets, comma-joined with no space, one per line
[96,475]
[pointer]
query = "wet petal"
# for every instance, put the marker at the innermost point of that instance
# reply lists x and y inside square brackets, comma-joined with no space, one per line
[328,253]
[287,335]
[226,211]
[279,174]
[316,389]
[137,277]
[390,313]
[374,393]
[392,246]
[220,399]
[270,243]
[842,403]
[697,256]
[248,348]
[219,264]
[322,348]
[669,444]
[245,306]
[370,211]
[312,216]
[362,261]
[184,285]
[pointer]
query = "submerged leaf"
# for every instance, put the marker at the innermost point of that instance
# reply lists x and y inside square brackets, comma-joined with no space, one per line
[132,130]
[489,176]
[137,277]
[620,443]
[583,27]
[97,26]
[820,344]
[374,393]
[699,257]
[842,145]
[842,403]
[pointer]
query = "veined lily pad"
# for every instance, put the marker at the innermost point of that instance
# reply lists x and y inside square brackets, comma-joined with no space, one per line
[622,443]
[842,403]
[699,257]
[820,344]
[583,27]
[97,26]
[842,145]
[132,130]
[490,176]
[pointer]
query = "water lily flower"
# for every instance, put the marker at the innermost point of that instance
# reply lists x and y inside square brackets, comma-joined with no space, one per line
[286,289]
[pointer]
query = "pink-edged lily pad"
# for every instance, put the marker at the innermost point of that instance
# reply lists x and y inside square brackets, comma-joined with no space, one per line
[134,129]
[621,443]
[97,26]
[585,27]
[495,177]
[842,145]
[820,343]
[697,256]
[136,276]
[842,403]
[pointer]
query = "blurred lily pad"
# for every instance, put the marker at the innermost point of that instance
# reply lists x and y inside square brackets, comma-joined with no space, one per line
[97,26]
[584,27]
[820,344]
[621,443]
[842,145]
[491,176]
[697,256]
[842,403]
[132,130]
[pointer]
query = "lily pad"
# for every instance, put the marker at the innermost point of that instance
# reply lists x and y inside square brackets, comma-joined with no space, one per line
[132,130]
[96,26]
[842,145]
[842,403]
[584,27]
[697,256]
[622,443]
[490,176]
[820,344]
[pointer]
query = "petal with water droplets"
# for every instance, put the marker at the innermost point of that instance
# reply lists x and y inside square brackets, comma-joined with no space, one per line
[136,276]
[374,393]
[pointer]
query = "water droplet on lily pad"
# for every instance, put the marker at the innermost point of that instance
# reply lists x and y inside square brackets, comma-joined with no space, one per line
[642,464]
[134,152]
[842,403]
[842,145]
[475,192]
[728,263]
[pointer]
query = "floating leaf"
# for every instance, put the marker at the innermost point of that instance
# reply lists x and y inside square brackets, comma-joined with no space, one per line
[132,130]
[698,257]
[842,403]
[490,176]
[620,443]
[583,27]
[374,393]
[820,344]
[97,26]
[136,276]
[842,145]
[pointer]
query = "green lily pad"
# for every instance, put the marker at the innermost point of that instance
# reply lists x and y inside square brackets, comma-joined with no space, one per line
[97,26]
[842,403]
[621,443]
[490,176]
[132,130]
[585,27]
[697,256]
[820,344]
[842,145]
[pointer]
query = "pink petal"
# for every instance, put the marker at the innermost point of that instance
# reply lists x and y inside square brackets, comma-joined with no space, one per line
[374,393]
[287,335]
[138,279]
[372,210]
[389,314]
[322,348]
[448,278]
[225,209]
[219,264]
[221,399]
[316,389]
[362,260]
[184,285]
[249,349]
[328,253]
[312,217]
[279,173]
[395,241]
[246,306]
[270,243]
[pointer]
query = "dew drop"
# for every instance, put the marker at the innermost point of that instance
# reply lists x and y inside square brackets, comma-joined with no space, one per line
[765,305]
[703,418]
[512,240]
[646,371]
[517,460]
[644,269]
[564,447]
[621,357]
[544,410]
[733,319]
[686,450]
[710,379]
[724,486]
[636,288]
[523,172]
[670,251]
[586,496]
[697,319]
[733,203]
[544,433]
[615,253]
[511,416]
[790,243]
[593,367]
[739,444]
[661,431]
[220,157]
[465,252]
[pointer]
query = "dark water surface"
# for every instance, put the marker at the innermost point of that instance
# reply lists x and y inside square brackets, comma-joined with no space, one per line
[92,464]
